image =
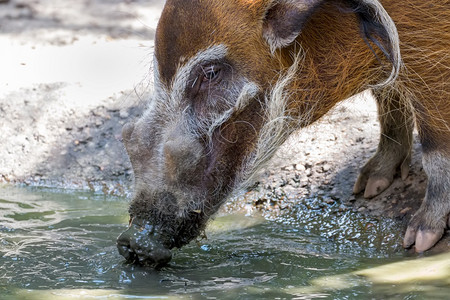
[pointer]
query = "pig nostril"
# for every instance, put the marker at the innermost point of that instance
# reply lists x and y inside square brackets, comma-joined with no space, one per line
[124,247]
[125,252]
[137,246]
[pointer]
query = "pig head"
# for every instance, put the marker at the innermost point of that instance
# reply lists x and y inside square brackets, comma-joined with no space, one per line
[221,106]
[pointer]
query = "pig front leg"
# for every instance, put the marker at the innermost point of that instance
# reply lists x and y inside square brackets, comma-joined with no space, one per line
[429,222]
[394,149]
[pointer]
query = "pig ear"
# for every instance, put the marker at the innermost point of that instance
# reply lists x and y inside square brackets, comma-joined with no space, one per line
[284,20]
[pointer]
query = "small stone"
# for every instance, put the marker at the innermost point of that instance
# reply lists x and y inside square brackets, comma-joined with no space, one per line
[300,167]
[288,168]
[342,208]
[308,172]
[326,167]
[124,114]
[405,210]
[329,201]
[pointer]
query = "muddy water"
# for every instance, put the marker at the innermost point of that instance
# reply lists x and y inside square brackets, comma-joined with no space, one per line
[61,245]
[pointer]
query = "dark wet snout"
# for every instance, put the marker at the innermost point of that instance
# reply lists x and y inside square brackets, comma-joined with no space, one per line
[140,244]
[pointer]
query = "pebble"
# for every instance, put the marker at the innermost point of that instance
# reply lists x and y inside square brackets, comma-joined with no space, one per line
[124,114]
[300,167]
[329,201]
[326,167]
[405,210]
[342,207]
[362,209]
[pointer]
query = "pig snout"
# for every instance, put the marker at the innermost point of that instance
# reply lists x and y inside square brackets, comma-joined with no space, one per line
[141,244]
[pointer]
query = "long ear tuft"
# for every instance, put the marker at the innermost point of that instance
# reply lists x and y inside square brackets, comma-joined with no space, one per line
[378,27]
[284,20]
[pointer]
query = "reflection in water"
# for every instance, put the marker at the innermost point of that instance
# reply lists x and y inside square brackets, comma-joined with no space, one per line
[56,245]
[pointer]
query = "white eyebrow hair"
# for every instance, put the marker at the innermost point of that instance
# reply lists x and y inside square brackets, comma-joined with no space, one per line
[212,53]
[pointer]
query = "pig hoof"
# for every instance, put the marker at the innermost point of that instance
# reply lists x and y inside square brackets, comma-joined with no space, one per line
[422,238]
[372,186]
[375,186]
[378,173]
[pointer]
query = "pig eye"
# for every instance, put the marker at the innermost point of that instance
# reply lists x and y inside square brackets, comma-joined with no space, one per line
[204,77]
[210,73]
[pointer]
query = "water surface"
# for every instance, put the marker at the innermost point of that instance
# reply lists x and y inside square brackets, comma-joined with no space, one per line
[56,244]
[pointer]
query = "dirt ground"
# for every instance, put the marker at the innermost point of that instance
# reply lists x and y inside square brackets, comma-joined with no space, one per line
[72,72]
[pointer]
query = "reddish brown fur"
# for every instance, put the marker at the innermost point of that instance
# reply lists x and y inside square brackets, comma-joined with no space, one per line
[336,64]
[175,46]
[425,40]
[339,64]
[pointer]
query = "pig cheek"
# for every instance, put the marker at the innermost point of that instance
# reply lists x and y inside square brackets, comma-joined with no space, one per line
[127,131]
[140,146]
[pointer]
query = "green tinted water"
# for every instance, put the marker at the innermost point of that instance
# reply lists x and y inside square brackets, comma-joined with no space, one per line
[62,246]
